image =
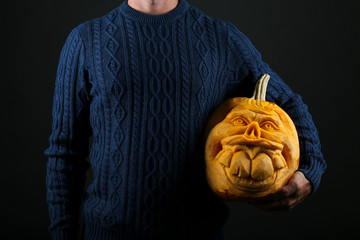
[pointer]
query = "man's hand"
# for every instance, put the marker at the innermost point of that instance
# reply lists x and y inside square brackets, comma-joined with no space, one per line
[286,198]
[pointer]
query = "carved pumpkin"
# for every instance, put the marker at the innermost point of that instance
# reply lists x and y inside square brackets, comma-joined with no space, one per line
[251,148]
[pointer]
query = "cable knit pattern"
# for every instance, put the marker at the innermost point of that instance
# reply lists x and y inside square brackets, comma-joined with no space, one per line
[143,87]
[136,118]
[185,87]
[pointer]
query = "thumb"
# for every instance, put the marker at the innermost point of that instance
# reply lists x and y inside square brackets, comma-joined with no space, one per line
[287,190]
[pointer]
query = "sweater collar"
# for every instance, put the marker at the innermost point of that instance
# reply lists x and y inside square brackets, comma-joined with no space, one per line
[180,8]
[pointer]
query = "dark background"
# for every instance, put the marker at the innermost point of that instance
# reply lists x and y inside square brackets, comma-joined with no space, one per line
[312,45]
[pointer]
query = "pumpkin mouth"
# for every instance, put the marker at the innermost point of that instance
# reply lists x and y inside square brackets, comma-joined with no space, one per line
[250,184]
[243,140]
[251,164]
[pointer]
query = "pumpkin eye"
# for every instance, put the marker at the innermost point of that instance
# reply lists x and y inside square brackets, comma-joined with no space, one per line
[239,121]
[268,125]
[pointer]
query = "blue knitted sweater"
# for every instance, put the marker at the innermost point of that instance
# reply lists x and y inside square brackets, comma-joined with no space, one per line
[142,87]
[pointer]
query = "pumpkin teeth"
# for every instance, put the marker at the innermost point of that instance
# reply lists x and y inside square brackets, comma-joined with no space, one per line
[261,167]
[234,168]
[252,162]
[240,164]
[279,161]
[242,161]
[225,158]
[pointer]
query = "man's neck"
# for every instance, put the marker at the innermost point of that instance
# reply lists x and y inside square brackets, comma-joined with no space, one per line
[153,7]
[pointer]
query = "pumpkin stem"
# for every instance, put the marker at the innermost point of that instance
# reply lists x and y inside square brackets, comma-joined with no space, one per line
[260,87]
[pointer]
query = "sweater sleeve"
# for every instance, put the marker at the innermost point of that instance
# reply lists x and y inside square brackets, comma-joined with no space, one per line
[69,141]
[251,67]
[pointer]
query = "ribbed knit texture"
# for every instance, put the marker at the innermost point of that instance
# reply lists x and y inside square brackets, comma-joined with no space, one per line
[143,87]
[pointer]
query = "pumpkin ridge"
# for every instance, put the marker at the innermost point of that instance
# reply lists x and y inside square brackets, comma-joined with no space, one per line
[222,133]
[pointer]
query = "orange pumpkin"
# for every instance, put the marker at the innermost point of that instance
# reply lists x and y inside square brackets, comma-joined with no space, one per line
[251,148]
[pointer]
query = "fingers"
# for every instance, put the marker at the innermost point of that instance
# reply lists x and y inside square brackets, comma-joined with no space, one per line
[286,198]
[276,205]
[286,191]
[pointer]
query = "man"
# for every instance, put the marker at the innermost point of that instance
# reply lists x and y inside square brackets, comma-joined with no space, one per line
[142,81]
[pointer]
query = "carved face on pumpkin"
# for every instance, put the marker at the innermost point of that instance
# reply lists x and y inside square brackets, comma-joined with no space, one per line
[251,150]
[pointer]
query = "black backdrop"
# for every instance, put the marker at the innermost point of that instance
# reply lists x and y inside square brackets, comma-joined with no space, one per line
[312,45]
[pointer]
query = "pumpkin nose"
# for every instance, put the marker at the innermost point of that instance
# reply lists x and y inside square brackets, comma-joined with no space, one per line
[253,130]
